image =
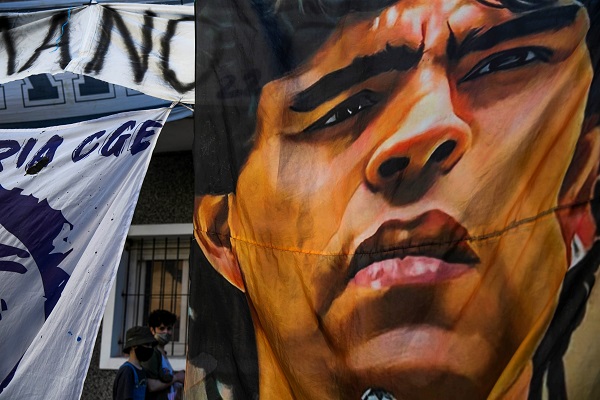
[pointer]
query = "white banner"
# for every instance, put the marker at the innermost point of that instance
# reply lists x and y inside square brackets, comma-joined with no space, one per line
[67,196]
[149,48]
[65,98]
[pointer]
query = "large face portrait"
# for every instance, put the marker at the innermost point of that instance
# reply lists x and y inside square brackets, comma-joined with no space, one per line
[403,221]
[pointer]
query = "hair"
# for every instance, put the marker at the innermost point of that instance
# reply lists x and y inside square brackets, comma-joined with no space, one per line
[158,317]
[37,225]
[243,44]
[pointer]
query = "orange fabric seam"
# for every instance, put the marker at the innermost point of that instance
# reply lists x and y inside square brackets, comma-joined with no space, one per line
[478,238]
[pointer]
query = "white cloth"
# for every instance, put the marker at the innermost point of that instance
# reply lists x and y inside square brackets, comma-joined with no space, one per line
[67,196]
[149,48]
[65,98]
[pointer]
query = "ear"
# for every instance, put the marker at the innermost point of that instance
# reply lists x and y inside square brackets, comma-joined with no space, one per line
[578,185]
[212,233]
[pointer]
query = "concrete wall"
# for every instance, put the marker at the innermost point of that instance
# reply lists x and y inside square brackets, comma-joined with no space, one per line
[167,196]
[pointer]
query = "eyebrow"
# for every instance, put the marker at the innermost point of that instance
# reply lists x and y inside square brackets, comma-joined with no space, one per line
[398,58]
[549,19]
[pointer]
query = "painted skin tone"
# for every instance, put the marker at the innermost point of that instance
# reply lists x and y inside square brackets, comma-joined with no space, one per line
[399,229]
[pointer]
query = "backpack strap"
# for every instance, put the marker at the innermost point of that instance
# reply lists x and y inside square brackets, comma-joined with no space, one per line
[134,369]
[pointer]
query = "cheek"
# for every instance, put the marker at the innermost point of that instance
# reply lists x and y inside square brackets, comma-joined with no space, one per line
[309,168]
[276,284]
[302,170]
[293,195]
[533,273]
[531,116]
[520,162]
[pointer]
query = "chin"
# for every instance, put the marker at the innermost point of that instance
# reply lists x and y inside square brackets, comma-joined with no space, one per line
[417,384]
[424,363]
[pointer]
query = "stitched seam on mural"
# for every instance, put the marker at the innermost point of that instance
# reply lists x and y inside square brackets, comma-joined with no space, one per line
[478,238]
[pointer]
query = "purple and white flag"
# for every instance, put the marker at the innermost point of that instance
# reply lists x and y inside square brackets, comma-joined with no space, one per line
[67,196]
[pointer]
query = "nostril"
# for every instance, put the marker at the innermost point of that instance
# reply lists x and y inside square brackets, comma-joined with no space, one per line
[443,151]
[390,167]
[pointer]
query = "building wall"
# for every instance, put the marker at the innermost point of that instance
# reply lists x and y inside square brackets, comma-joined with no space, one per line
[166,197]
[98,382]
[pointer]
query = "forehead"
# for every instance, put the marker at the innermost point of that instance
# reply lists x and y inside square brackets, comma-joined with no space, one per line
[421,15]
[413,23]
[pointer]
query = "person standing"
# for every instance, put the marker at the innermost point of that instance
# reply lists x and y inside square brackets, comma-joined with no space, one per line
[163,382]
[130,382]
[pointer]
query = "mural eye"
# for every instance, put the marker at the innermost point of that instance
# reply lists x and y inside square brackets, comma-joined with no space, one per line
[508,59]
[347,109]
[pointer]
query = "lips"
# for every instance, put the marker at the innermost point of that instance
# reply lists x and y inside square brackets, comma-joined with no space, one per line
[430,249]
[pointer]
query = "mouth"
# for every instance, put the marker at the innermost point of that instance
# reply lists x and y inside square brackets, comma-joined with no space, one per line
[432,248]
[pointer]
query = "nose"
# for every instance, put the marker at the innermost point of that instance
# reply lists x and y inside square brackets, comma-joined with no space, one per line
[427,136]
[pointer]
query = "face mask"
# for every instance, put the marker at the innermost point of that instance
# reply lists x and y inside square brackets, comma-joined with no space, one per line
[143,353]
[163,338]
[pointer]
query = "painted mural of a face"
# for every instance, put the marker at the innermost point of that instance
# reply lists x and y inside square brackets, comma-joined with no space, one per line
[403,219]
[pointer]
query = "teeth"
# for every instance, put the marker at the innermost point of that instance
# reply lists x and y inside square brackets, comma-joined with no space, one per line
[374,270]
[379,274]
[422,267]
[389,267]
[376,284]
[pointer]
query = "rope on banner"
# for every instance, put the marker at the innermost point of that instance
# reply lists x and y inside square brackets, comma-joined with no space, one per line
[178,102]
[186,106]
[62,29]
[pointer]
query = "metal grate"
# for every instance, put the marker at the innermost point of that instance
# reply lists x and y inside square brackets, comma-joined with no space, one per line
[157,277]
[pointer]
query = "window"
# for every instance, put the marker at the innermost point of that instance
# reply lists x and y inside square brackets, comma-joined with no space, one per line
[153,274]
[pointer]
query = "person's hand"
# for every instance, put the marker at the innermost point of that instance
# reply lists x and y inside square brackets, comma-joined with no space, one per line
[179,376]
